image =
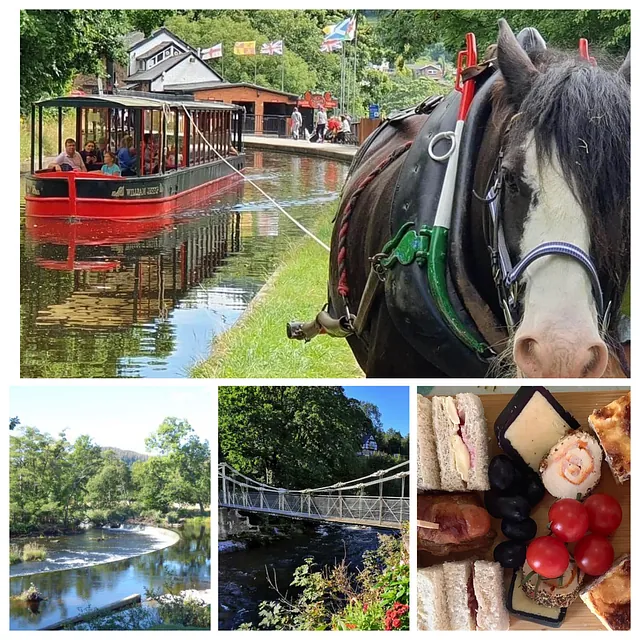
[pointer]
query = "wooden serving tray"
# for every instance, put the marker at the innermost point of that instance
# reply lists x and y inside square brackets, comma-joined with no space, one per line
[580,404]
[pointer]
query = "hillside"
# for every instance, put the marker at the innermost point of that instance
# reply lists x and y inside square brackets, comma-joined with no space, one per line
[129,457]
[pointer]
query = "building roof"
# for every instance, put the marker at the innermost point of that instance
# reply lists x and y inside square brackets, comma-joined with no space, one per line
[430,65]
[157,70]
[203,86]
[157,49]
[120,101]
[139,43]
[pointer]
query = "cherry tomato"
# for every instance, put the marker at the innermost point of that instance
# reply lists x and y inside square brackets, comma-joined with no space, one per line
[605,513]
[569,520]
[548,557]
[594,554]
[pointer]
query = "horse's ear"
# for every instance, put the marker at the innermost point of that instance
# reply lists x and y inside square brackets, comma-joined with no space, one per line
[516,66]
[625,69]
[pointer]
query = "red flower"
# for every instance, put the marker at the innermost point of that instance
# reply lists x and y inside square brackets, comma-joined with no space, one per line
[350,625]
[365,606]
[393,617]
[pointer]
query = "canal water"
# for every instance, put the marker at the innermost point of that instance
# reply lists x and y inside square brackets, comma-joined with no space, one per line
[187,564]
[242,578]
[145,299]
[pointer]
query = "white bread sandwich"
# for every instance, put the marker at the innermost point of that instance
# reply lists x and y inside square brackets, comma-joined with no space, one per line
[458,577]
[432,600]
[461,442]
[428,467]
[462,596]
[488,587]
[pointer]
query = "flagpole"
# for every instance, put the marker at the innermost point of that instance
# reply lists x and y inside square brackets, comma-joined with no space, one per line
[255,68]
[282,84]
[355,63]
[222,56]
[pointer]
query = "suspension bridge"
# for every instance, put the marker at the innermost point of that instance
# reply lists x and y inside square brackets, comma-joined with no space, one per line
[344,502]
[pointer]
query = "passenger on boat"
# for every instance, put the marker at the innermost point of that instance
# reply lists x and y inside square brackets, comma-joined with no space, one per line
[92,156]
[110,166]
[69,159]
[171,158]
[151,164]
[127,157]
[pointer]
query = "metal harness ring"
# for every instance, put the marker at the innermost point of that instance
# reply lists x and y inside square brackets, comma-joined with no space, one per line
[443,135]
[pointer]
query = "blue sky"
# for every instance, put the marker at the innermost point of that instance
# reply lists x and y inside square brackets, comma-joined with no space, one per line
[393,403]
[116,416]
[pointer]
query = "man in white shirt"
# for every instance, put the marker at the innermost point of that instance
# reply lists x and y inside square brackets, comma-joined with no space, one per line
[321,123]
[296,123]
[69,159]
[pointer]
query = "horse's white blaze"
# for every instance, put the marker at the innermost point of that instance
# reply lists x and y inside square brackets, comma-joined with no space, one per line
[559,308]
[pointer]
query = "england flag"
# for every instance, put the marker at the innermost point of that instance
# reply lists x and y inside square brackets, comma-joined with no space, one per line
[212,52]
[272,48]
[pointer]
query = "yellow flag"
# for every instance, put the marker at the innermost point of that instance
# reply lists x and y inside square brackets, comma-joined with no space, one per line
[328,29]
[245,48]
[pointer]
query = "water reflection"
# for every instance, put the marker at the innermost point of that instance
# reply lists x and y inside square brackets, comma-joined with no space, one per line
[69,592]
[145,298]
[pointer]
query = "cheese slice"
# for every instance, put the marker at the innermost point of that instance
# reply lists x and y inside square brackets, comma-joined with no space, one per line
[536,429]
[520,602]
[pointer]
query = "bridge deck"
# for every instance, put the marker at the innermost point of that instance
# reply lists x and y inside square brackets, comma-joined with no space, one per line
[314,516]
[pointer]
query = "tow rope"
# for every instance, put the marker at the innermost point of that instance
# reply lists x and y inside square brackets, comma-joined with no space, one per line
[254,185]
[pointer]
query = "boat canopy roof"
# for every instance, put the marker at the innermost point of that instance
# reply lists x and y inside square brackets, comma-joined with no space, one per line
[118,101]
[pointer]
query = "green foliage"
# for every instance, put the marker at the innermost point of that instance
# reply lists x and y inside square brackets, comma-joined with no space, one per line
[33,552]
[409,33]
[406,91]
[55,485]
[56,45]
[291,436]
[14,554]
[338,600]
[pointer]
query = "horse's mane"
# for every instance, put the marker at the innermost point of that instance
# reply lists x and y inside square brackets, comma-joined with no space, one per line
[584,113]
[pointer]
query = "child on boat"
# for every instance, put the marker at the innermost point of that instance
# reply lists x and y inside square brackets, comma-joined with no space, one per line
[110,167]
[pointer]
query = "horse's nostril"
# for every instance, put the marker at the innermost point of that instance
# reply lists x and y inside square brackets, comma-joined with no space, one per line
[598,360]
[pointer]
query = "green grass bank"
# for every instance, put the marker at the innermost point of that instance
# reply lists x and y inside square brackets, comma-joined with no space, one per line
[258,347]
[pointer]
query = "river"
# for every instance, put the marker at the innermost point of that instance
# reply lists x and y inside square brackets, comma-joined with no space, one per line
[145,299]
[71,591]
[242,580]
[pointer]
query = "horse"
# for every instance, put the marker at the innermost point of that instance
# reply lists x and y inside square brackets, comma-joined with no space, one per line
[556,146]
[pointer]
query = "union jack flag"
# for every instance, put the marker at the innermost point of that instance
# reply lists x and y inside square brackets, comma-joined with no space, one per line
[330,45]
[272,48]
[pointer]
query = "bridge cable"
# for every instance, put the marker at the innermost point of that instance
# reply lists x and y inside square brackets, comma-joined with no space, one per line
[253,184]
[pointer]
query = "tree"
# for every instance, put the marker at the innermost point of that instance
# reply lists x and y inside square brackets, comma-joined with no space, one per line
[297,437]
[407,91]
[13,423]
[56,45]
[410,32]
[111,484]
[188,461]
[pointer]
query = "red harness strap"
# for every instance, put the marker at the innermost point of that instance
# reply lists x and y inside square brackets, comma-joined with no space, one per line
[343,285]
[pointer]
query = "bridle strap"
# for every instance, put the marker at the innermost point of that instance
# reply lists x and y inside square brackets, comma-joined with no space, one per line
[564,249]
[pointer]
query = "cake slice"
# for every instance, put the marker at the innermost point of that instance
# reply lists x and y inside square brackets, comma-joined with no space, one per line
[612,425]
[609,597]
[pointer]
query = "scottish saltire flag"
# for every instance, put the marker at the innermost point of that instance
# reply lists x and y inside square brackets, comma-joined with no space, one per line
[346,30]
[212,52]
[330,45]
[272,48]
[245,48]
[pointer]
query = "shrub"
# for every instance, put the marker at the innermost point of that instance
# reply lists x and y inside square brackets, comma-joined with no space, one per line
[32,594]
[172,517]
[33,552]
[14,554]
[97,517]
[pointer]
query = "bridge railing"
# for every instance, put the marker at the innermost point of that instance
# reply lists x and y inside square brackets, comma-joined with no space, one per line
[343,502]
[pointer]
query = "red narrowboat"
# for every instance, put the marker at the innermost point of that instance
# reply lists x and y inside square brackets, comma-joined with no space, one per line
[172,151]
